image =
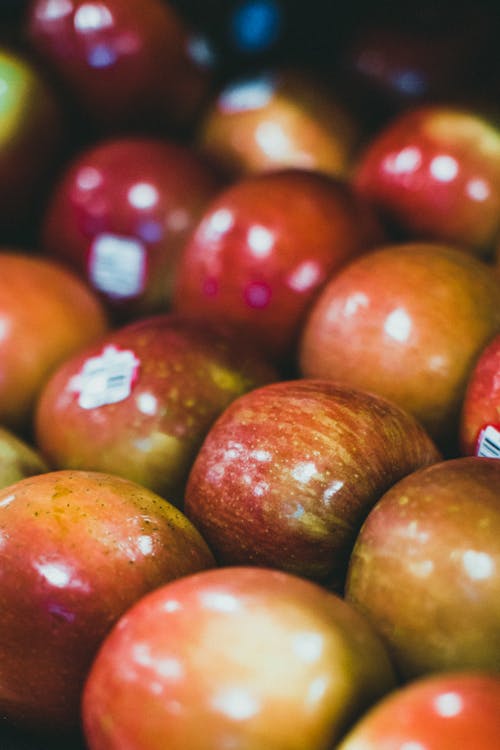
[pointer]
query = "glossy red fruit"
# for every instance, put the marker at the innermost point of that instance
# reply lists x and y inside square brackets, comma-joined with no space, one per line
[121,214]
[425,569]
[288,473]
[435,173]
[234,657]
[140,401]
[46,315]
[30,135]
[124,61]
[278,119]
[264,248]
[436,713]
[407,322]
[78,549]
[480,419]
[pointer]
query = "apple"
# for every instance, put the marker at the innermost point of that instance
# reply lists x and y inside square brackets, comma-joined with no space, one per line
[435,173]
[78,549]
[480,417]
[264,248]
[124,62]
[139,402]
[18,459]
[425,568]
[406,321]
[46,314]
[289,471]
[441,712]
[30,136]
[234,657]
[276,119]
[120,215]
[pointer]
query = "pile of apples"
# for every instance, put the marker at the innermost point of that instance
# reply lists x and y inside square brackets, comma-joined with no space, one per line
[249,375]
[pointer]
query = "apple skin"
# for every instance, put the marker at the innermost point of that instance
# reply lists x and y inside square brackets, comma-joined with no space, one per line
[186,374]
[264,248]
[441,712]
[78,549]
[289,471]
[30,136]
[481,405]
[123,194]
[62,316]
[278,119]
[17,459]
[251,658]
[408,322]
[124,62]
[425,568]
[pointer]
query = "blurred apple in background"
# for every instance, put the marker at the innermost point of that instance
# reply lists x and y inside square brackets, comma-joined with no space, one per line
[78,549]
[139,402]
[276,119]
[46,314]
[17,459]
[434,172]
[123,62]
[264,248]
[30,138]
[235,657]
[288,473]
[425,569]
[120,215]
[480,420]
[408,322]
[445,712]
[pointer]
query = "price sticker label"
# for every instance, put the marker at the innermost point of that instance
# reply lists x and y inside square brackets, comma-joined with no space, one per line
[117,266]
[488,442]
[106,379]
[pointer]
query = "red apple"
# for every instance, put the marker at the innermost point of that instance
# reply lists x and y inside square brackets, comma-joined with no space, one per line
[435,172]
[18,459]
[289,471]
[78,549]
[445,712]
[426,568]
[121,214]
[139,402]
[235,657]
[480,419]
[264,248]
[30,134]
[281,118]
[46,314]
[123,61]
[407,322]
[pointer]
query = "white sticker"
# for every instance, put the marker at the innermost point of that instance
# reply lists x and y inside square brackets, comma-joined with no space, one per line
[105,379]
[246,95]
[488,444]
[117,265]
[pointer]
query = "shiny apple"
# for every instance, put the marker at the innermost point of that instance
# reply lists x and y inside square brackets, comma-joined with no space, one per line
[264,248]
[436,713]
[480,417]
[30,136]
[139,402]
[235,657]
[78,549]
[435,173]
[408,322]
[46,314]
[276,119]
[18,459]
[426,568]
[120,215]
[124,62]
[288,473]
